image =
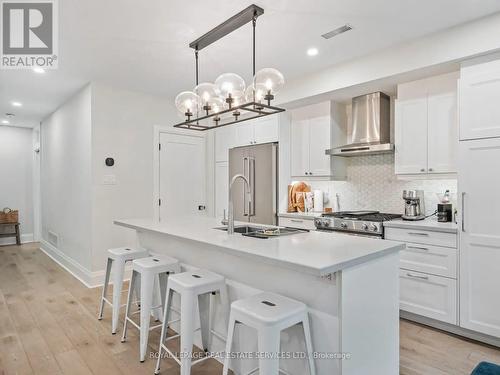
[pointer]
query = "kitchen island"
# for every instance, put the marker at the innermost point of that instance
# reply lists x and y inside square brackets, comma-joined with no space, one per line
[349,283]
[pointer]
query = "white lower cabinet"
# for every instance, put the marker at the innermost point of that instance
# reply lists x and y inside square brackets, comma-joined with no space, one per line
[428,273]
[299,223]
[428,295]
[435,260]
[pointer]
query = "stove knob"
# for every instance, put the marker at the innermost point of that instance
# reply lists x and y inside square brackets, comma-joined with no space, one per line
[326,223]
[374,228]
[364,226]
[343,225]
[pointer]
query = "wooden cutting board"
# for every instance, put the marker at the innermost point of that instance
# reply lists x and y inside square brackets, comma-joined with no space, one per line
[298,187]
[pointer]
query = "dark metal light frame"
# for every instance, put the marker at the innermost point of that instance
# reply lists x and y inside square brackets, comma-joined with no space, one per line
[255,109]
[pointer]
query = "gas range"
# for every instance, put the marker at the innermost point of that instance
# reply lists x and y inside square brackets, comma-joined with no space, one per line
[362,223]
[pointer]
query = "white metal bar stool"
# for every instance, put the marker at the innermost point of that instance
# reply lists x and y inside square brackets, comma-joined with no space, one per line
[117,258]
[147,270]
[200,284]
[269,314]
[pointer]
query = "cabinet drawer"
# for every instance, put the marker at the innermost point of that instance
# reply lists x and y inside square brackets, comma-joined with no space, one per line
[297,223]
[427,295]
[435,260]
[421,236]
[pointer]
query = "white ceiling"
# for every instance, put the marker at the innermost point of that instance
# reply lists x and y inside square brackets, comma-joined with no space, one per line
[142,45]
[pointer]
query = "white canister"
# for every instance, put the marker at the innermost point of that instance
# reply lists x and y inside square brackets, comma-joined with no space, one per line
[318,200]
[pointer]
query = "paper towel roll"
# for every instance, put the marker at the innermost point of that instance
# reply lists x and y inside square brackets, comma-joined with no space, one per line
[318,201]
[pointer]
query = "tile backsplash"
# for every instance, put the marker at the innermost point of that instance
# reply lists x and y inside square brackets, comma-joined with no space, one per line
[371,184]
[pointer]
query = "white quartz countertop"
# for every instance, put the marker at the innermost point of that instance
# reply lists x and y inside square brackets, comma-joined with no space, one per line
[300,215]
[315,253]
[430,223]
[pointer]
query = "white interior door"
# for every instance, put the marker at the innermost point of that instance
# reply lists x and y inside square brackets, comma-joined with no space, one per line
[479,183]
[182,175]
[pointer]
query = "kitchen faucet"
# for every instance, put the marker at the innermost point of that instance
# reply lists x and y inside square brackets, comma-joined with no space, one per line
[230,213]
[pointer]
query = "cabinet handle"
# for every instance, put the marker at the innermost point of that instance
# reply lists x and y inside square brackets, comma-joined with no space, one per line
[463,211]
[417,248]
[418,234]
[306,173]
[422,170]
[310,173]
[417,276]
[297,220]
[430,169]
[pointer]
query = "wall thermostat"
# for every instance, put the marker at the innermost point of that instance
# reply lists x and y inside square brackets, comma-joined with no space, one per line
[110,162]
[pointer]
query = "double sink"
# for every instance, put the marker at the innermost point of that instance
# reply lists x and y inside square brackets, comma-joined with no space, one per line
[264,232]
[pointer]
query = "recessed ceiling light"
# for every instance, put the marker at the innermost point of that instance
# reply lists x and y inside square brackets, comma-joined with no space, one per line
[5,122]
[17,104]
[313,51]
[39,70]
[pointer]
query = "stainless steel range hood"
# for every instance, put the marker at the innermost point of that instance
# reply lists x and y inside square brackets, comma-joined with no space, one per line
[370,129]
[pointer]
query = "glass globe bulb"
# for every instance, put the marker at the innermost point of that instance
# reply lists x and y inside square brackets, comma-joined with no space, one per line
[230,85]
[216,105]
[271,79]
[258,89]
[187,102]
[206,91]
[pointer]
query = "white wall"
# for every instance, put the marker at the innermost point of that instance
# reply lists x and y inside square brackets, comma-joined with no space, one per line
[122,128]
[66,181]
[16,166]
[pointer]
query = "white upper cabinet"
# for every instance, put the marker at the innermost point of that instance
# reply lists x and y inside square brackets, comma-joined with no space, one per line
[442,129]
[310,137]
[262,130]
[479,101]
[426,127]
[319,141]
[479,183]
[411,136]
[244,133]
[266,129]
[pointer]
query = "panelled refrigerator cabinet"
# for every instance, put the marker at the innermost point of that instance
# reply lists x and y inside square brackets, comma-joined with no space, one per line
[259,163]
[479,204]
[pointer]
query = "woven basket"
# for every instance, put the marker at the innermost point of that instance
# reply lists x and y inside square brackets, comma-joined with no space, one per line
[8,216]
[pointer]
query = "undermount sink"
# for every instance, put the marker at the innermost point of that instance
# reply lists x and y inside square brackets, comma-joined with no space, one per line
[242,229]
[264,232]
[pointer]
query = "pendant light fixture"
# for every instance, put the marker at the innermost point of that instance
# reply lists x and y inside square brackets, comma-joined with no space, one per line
[229,100]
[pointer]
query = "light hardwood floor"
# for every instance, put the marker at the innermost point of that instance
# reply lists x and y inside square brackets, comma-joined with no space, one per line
[48,325]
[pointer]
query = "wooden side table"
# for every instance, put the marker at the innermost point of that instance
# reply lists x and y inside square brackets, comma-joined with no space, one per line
[11,234]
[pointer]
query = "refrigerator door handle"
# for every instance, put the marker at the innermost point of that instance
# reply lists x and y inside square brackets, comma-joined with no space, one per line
[246,167]
[251,180]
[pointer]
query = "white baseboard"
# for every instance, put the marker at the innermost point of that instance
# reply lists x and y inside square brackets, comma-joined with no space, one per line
[25,238]
[86,277]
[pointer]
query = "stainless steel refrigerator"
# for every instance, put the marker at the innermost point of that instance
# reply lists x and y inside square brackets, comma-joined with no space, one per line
[259,164]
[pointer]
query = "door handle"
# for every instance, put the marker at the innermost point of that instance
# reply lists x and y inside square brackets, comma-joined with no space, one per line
[296,221]
[246,167]
[418,234]
[463,211]
[251,180]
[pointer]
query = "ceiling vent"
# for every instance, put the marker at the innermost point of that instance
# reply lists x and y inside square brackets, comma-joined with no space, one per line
[337,31]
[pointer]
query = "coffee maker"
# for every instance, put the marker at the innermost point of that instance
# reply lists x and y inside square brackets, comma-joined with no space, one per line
[414,205]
